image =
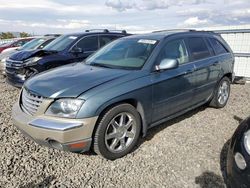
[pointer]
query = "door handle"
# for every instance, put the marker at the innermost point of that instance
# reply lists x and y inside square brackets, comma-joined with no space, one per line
[189,71]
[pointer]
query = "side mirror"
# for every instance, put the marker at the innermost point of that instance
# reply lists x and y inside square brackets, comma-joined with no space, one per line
[167,64]
[77,50]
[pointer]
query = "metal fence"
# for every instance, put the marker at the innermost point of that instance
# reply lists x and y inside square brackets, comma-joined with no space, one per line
[239,41]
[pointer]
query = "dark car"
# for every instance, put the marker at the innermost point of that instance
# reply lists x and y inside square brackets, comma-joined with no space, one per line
[127,87]
[15,43]
[238,158]
[36,43]
[66,49]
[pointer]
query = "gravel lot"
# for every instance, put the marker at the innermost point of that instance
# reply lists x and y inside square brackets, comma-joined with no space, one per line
[186,152]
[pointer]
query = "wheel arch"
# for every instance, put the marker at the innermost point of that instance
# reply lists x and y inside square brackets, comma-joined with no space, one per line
[133,102]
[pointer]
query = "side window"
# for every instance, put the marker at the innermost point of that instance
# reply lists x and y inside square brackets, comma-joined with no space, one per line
[88,44]
[198,48]
[45,43]
[174,50]
[105,39]
[218,47]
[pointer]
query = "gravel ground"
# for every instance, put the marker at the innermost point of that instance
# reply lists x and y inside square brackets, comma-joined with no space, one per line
[186,152]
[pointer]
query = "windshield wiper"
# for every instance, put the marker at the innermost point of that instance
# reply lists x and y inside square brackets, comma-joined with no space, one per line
[101,65]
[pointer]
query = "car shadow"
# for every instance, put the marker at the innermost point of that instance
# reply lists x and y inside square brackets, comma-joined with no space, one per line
[154,130]
[209,179]
[46,182]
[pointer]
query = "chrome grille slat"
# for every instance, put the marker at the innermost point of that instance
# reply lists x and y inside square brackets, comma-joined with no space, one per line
[30,102]
[13,64]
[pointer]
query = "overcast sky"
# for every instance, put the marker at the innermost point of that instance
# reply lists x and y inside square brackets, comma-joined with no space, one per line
[63,16]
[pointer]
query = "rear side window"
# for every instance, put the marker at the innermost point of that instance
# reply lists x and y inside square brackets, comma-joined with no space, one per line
[105,39]
[174,49]
[198,48]
[88,44]
[218,47]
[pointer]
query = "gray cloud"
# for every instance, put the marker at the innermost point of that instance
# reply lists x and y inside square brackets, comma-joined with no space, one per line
[122,5]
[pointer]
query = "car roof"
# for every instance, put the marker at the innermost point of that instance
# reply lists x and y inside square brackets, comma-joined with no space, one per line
[95,33]
[159,35]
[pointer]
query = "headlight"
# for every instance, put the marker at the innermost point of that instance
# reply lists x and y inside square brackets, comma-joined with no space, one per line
[31,61]
[3,60]
[247,141]
[67,108]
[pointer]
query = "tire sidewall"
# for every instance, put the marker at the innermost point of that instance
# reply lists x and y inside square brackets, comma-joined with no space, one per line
[225,79]
[102,127]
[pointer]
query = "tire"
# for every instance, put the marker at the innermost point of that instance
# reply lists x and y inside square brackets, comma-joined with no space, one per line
[117,132]
[221,93]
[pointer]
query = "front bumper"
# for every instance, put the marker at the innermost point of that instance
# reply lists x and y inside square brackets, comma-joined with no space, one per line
[73,135]
[14,79]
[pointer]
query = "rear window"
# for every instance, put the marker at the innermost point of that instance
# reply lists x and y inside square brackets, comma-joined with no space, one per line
[218,47]
[198,48]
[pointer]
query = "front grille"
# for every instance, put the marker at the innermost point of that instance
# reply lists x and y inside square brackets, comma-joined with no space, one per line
[13,64]
[30,102]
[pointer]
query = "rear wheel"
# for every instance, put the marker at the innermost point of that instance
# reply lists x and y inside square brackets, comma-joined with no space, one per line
[117,132]
[221,94]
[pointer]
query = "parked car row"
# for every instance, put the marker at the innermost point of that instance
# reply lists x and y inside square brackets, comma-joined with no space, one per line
[15,44]
[106,101]
[65,49]
[36,43]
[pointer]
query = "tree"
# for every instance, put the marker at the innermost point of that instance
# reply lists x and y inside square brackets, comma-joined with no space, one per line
[7,35]
[24,34]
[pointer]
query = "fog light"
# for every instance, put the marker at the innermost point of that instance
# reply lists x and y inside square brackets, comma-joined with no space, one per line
[55,144]
[240,161]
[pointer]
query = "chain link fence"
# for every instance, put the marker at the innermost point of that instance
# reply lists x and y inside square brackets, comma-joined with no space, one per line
[239,41]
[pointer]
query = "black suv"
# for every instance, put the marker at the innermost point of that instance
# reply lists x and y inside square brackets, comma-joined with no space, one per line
[65,49]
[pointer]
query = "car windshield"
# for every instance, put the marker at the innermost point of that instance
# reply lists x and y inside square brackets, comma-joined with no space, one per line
[60,43]
[123,53]
[32,44]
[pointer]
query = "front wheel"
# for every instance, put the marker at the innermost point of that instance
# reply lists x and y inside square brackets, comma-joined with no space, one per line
[117,132]
[221,94]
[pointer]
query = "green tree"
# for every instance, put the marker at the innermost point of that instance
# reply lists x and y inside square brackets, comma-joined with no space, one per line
[6,35]
[24,34]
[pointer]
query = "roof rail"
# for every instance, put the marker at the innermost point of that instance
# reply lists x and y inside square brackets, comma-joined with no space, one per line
[172,30]
[104,30]
[52,35]
[117,30]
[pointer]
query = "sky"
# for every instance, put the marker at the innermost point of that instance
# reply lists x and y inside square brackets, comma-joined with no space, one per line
[66,16]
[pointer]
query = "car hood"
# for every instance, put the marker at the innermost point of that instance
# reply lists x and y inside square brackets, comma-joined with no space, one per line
[71,80]
[26,54]
[7,54]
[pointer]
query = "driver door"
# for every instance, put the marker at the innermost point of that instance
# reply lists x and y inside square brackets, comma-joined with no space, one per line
[173,90]
[88,45]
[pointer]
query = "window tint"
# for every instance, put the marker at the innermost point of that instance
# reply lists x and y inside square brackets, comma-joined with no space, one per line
[174,50]
[88,44]
[218,47]
[198,48]
[106,39]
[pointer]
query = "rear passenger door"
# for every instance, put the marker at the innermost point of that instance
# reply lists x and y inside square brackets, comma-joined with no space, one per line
[206,65]
[173,90]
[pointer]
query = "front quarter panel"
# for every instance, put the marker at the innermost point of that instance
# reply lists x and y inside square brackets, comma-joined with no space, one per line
[138,89]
